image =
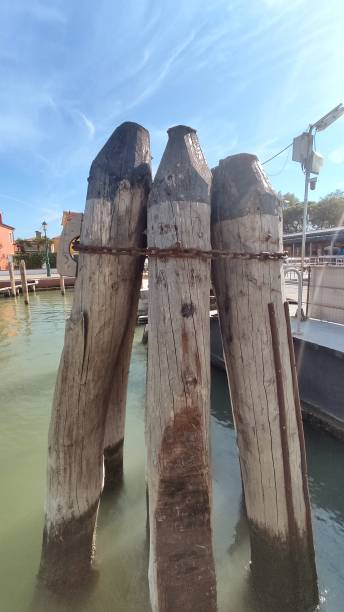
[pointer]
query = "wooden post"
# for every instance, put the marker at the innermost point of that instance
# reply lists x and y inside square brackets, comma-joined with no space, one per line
[115,421]
[115,216]
[12,278]
[25,289]
[247,217]
[62,285]
[181,565]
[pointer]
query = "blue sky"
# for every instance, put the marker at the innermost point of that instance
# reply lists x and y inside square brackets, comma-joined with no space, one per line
[248,75]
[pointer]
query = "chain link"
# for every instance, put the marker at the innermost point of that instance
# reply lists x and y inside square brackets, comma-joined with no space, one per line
[178,252]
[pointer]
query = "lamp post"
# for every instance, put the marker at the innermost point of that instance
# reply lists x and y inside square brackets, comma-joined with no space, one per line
[311,162]
[44,226]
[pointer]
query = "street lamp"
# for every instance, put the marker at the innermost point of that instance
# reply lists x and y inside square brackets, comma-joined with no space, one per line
[44,226]
[311,162]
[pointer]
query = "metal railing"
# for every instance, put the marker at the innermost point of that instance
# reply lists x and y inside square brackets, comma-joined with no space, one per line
[318,260]
[296,272]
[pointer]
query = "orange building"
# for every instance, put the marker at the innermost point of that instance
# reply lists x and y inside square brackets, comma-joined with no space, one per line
[6,243]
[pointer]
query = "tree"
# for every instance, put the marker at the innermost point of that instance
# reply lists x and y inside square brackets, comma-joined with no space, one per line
[292,218]
[288,199]
[328,212]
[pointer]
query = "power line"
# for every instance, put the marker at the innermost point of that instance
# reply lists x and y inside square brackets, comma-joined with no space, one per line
[277,154]
[283,167]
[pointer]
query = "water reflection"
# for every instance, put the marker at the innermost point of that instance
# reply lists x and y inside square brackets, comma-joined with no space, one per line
[30,346]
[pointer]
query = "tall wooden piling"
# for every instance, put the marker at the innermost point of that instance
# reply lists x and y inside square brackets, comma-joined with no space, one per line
[115,421]
[247,218]
[181,565]
[62,285]
[25,289]
[115,217]
[12,278]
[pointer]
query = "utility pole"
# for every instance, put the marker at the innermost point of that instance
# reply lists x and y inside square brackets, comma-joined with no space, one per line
[305,204]
[311,163]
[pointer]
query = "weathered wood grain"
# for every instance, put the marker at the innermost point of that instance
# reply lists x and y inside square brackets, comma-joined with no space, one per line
[12,279]
[181,566]
[246,216]
[115,216]
[115,421]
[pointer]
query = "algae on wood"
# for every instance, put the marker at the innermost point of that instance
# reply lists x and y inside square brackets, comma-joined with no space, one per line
[181,566]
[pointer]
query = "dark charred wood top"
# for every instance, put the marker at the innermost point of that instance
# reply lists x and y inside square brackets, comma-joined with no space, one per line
[183,173]
[125,156]
[241,187]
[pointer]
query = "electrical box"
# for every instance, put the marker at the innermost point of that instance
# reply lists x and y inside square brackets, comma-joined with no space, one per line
[316,162]
[302,147]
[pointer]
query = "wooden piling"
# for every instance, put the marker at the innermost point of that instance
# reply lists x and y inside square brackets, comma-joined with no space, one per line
[12,278]
[25,290]
[62,285]
[115,216]
[247,217]
[115,421]
[181,565]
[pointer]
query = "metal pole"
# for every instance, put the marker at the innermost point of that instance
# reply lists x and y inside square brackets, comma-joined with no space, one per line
[304,227]
[305,204]
[46,253]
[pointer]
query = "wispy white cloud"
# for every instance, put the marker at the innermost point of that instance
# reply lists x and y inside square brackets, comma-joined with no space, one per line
[89,124]
[52,214]
[156,81]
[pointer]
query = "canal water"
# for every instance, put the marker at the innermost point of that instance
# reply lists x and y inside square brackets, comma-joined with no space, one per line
[31,339]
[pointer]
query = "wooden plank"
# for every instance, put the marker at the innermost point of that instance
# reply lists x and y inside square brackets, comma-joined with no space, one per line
[247,217]
[115,216]
[181,565]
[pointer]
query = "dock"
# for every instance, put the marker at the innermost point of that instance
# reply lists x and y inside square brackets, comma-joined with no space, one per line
[6,291]
[319,354]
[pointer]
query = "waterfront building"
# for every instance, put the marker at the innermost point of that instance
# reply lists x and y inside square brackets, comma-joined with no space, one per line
[318,242]
[6,243]
[67,215]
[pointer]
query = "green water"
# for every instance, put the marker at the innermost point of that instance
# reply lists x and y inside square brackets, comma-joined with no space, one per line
[30,345]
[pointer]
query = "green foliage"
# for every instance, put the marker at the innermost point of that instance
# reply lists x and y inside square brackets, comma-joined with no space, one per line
[328,212]
[292,218]
[288,199]
[32,260]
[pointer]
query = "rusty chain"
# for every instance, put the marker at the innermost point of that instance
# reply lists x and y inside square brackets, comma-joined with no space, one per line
[178,252]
